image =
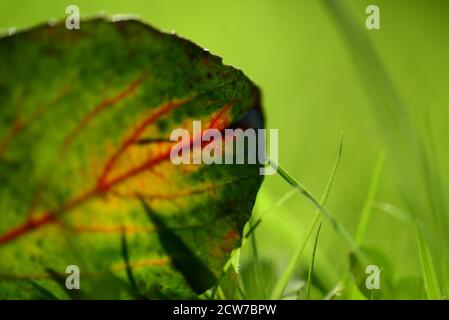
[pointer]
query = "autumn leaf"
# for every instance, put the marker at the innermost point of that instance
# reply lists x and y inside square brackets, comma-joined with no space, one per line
[85,121]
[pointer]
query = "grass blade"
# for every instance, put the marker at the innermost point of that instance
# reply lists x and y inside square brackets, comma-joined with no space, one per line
[334,223]
[412,150]
[281,284]
[312,262]
[428,268]
[366,211]
[286,275]
[323,202]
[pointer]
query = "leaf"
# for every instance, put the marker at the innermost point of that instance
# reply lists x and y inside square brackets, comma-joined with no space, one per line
[60,280]
[184,260]
[85,122]
[43,293]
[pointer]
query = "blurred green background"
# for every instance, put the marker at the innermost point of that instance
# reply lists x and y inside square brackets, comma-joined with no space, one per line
[312,91]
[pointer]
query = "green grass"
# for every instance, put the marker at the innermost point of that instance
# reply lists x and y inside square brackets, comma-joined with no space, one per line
[410,148]
[412,153]
[320,223]
[367,207]
[315,225]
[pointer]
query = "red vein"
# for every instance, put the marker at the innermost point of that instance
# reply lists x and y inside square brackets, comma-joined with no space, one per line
[51,216]
[220,121]
[135,135]
[15,129]
[100,108]
[220,116]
